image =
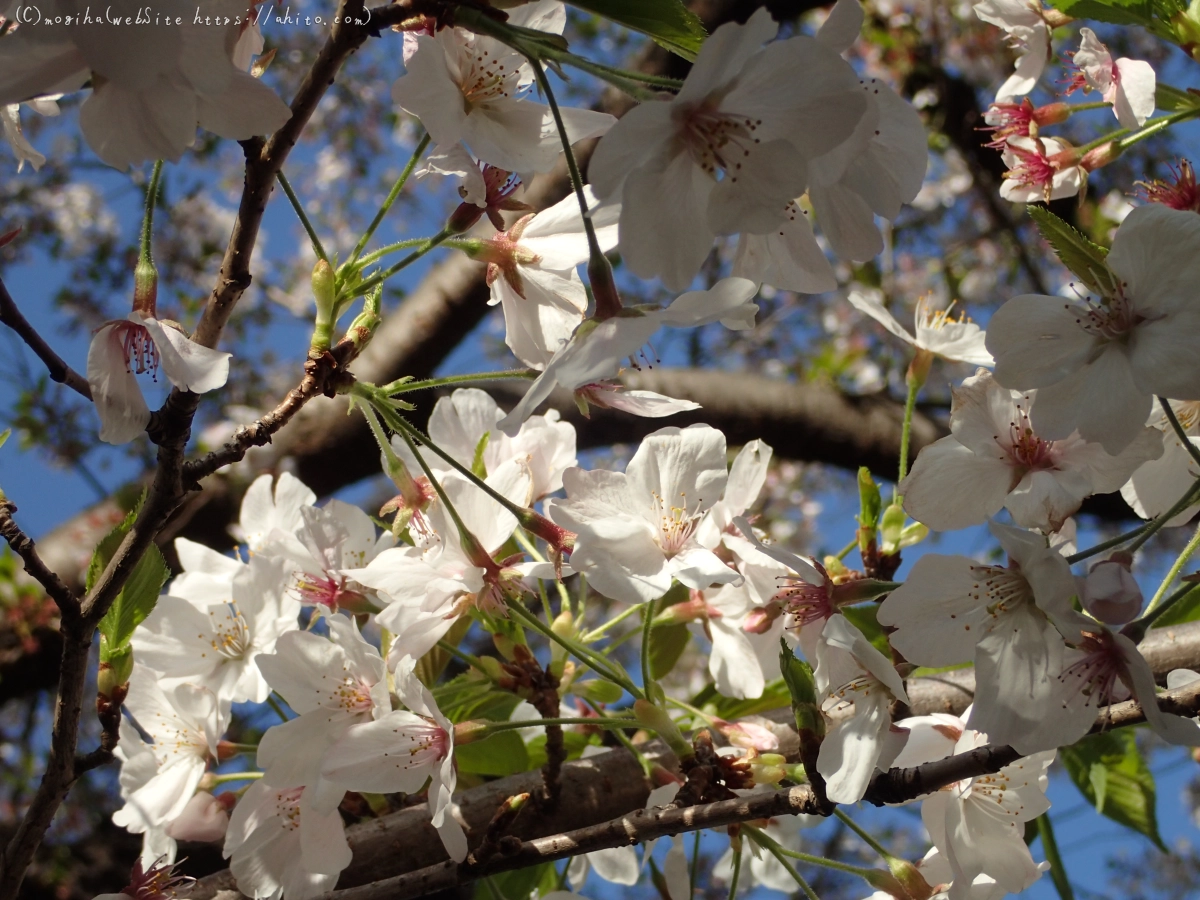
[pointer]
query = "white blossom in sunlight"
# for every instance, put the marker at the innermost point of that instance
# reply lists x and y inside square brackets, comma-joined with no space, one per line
[278,845]
[464,425]
[993,458]
[636,529]
[10,119]
[1098,362]
[184,723]
[739,116]
[937,331]
[1128,84]
[264,511]
[139,766]
[1010,621]
[472,88]
[194,637]
[851,674]
[1028,32]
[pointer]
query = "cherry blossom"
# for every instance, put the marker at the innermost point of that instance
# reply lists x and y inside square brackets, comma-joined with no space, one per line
[184,723]
[464,426]
[597,347]
[636,529]
[141,344]
[400,751]
[139,766]
[194,637]
[150,86]
[1010,621]
[978,825]
[472,89]
[532,274]
[263,512]
[1040,170]
[1028,31]
[332,683]
[993,458]
[737,116]
[937,331]
[331,540]
[788,258]
[278,845]
[745,655]
[1097,362]
[1110,593]
[1157,486]
[850,672]
[611,395]
[1128,84]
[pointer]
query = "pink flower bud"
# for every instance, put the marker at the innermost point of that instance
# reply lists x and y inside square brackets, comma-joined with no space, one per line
[1110,592]
[203,819]
[748,736]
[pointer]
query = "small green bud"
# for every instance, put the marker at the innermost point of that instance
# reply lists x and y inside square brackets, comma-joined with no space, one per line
[324,292]
[891,527]
[656,719]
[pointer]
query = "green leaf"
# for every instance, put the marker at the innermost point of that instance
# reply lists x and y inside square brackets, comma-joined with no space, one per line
[471,696]
[478,467]
[667,643]
[863,618]
[502,753]
[1111,773]
[5,435]
[1086,260]
[1118,12]
[1186,609]
[138,597]
[598,691]
[1172,99]
[668,22]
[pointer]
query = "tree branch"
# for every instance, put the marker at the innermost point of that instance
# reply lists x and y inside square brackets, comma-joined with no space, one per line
[59,371]
[24,547]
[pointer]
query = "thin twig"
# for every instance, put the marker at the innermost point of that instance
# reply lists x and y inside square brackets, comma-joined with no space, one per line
[58,370]
[24,547]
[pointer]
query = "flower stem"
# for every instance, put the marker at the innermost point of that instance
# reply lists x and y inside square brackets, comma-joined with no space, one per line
[602,722]
[1173,573]
[870,841]
[148,216]
[603,629]
[1154,126]
[375,255]
[274,704]
[647,628]
[383,276]
[232,776]
[735,877]
[303,217]
[782,856]
[1058,872]
[910,403]
[1135,631]
[1146,529]
[391,197]
[504,375]
[765,841]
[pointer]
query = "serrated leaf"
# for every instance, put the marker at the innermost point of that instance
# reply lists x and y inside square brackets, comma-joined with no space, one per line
[1172,99]
[503,753]
[668,22]
[1086,260]
[136,599]
[1111,773]
[1118,12]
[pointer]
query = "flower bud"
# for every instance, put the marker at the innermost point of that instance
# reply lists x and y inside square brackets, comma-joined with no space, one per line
[1110,592]
[323,283]
[203,819]
[748,736]
[656,719]
[768,768]
[469,732]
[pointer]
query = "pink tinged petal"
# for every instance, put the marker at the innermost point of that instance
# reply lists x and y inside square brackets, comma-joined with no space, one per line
[245,109]
[189,366]
[937,618]
[119,402]
[1134,100]
[788,258]
[647,404]
[1171,728]
[952,487]
[756,188]
[1030,64]
[653,240]
[391,754]
[843,26]
[983,414]
[1106,472]
[1099,399]
[1037,341]
[847,221]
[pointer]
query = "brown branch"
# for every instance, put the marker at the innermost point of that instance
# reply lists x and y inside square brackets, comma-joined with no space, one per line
[57,368]
[24,547]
